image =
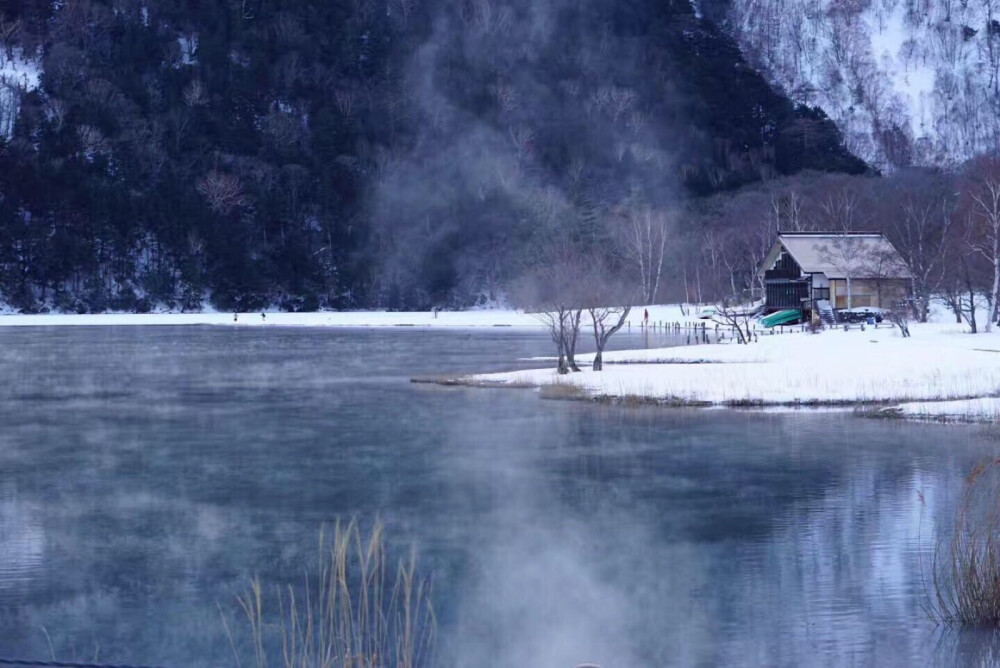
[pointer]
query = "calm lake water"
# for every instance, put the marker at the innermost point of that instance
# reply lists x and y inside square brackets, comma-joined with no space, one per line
[146,474]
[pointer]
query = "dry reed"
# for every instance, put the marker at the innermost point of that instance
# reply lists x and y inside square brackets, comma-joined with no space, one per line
[966,568]
[357,611]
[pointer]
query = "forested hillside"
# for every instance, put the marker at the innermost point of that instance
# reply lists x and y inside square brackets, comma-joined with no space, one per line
[359,153]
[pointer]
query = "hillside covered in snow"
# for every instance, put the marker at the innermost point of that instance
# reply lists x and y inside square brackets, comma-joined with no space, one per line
[907,81]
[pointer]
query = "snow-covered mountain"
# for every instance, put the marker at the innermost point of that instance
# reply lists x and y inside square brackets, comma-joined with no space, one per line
[907,81]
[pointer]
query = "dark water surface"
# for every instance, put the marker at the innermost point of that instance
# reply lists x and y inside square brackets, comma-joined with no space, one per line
[146,474]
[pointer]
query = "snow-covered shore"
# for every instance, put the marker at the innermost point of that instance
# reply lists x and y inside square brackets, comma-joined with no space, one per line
[445,319]
[978,410]
[939,363]
[457,319]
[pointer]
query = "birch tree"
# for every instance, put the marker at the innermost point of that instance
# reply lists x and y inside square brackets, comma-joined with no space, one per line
[983,191]
[644,235]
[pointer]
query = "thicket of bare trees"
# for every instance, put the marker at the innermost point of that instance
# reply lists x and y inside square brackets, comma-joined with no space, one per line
[944,224]
[572,289]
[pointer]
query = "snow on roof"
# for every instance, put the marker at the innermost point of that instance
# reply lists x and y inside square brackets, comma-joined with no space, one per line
[862,254]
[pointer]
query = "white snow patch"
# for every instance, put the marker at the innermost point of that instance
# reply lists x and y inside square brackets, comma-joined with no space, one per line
[189,49]
[981,409]
[18,75]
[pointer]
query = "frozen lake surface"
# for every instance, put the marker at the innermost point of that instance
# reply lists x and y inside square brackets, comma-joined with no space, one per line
[146,474]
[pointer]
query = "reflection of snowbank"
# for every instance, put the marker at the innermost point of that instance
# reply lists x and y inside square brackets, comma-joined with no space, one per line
[22,544]
[18,75]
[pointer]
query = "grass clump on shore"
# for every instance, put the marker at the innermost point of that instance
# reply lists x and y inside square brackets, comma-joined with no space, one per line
[966,567]
[357,611]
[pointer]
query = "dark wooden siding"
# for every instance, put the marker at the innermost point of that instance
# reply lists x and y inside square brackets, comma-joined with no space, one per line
[785,268]
[787,294]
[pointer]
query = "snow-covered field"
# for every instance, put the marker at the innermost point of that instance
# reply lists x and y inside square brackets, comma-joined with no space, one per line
[939,362]
[454,319]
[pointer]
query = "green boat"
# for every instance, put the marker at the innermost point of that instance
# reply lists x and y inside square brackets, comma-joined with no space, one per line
[785,317]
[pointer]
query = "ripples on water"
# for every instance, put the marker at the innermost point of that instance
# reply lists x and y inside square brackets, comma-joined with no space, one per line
[146,474]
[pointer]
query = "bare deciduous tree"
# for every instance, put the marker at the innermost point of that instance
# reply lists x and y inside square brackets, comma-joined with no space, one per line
[9,28]
[194,94]
[222,191]
[848,254]
[921,234]
[55,112]
[346,100]
[92,140]
[554,293]
[609,302]
[735,311]
[734,307]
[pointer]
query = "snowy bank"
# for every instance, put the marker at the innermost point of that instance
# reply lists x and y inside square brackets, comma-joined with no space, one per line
[855,367]
[981,409]
[459,319]
[444,319]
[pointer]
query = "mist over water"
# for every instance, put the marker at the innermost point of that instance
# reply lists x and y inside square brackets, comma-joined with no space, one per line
[147,474]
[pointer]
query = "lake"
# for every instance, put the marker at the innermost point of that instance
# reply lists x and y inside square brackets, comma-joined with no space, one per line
[146,474]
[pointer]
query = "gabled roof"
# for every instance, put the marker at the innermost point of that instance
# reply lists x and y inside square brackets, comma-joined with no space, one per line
[835,254]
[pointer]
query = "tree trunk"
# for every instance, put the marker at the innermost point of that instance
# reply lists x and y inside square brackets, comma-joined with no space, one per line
[562,368]
[599,360]
[571,340]
[559,334]
[849,305]
[995,294]
[972,309]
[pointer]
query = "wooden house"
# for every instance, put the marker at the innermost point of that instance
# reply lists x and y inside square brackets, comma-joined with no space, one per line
[820,272]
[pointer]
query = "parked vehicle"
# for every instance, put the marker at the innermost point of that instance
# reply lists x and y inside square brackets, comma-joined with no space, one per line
[861,314]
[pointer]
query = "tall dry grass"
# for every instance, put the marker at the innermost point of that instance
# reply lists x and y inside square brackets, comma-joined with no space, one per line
[966,568]
[356,611]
